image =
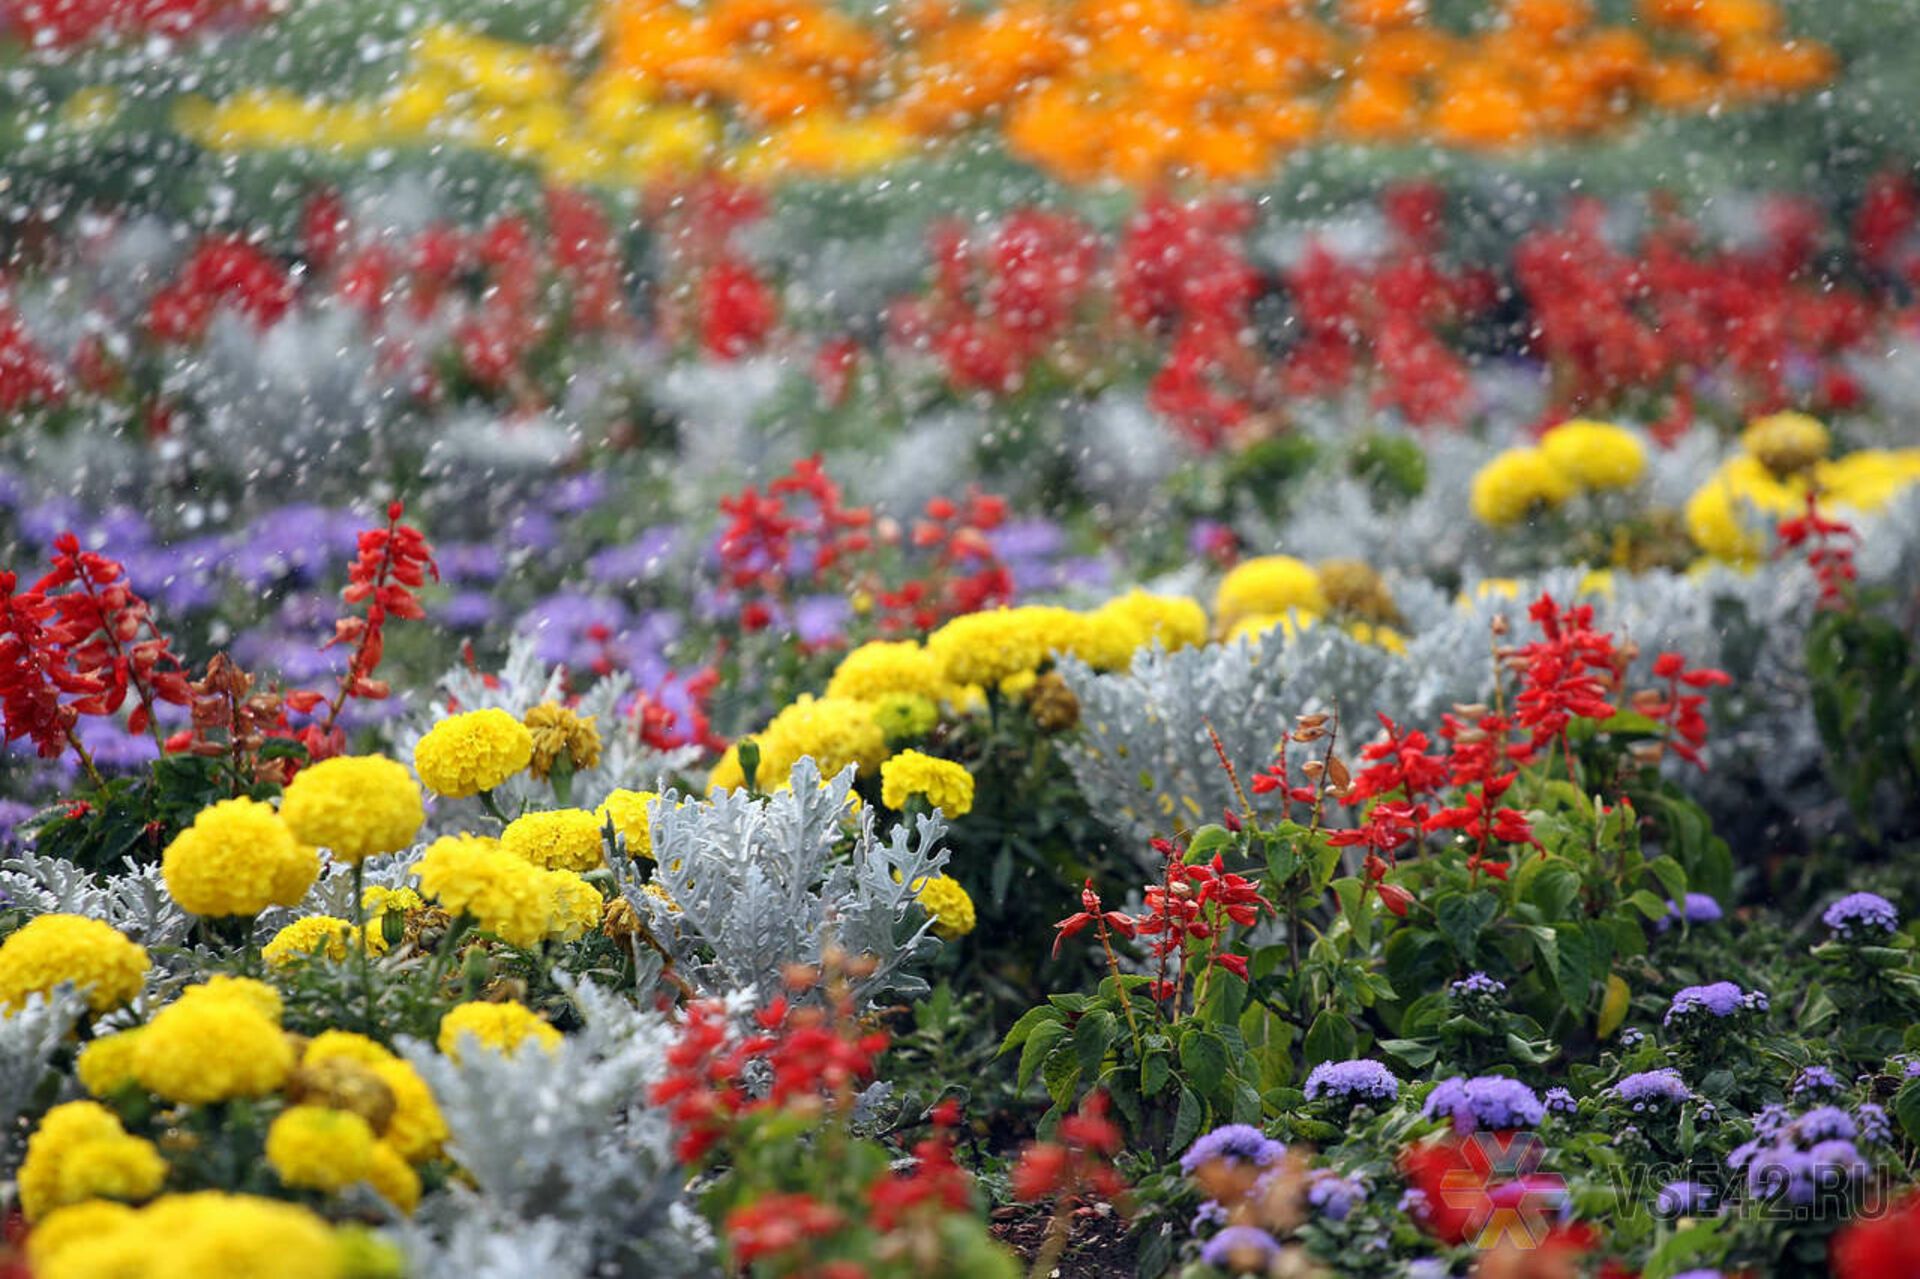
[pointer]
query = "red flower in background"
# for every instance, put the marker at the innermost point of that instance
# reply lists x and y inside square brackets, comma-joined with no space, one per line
[222,271]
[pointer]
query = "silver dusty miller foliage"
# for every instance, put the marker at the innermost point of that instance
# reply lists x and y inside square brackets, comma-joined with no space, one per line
[572,1172]
[135,900]
[757,884]
[29,1037]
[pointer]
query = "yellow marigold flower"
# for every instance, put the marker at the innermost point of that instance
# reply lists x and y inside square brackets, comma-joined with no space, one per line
[1268,586]
[1728,516]
[1173,620]
[562,839]
[874,670]
[1103,640]
[393,1179]
[466,754]
[1260,623]
[835,731]
[318,1148]
[207,1235]
[81,1152]
[1019,684]
[105,1065]
[557,730]
[238,858]
[97,958]
[503,1027]
[1352,586]
[578,905]
[416,1128]
[380,902]
[309,937]
[952,909]
[1786,442]
[1514,485]
[72,1224]
[1598,581]
[207,1049]
[628,809]
[984,648]
[902,716]
[330,1045]
[1868,479]
[1379,636]
[354,806]
[727,773]
[256,994]
[944,784]
[505,895]
[1595,455]
[1505,588]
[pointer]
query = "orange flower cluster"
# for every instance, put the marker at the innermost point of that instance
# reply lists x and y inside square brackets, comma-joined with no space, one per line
[1143,90]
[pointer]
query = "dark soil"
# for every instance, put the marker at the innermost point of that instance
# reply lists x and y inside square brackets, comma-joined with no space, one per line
[1099,1247]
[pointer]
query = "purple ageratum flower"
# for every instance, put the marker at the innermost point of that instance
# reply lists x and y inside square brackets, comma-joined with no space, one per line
[1875,1128]
[577,494]
[1860,915]
[1771,1119]
[1719,999]
[1241,1249]
[1477,985]
[1683,1199]
[476,563]
[13,814]
[636,561]
[1210,1214]
[1359,1080]
[1488,1101]
[1236,1143]
[1698,909]
[465,610]
[1650,1088]
[1822,1123]
[1332,1195]
[1632,1037]
[1560,1102]
[1815,1079]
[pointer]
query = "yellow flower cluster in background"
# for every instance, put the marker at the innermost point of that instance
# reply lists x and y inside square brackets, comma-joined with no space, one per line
[1270,591]
[208,1234]
[944,784]
[463,755]
[1572,457]
[1138,90]
[1782,459]
[354,806]
[502,1027]
[81,1152]
[238,858]
[100,961]
[508,896]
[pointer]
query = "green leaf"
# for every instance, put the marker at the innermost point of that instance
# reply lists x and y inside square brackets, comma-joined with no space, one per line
[1906,1108]
[1411,1051]
[1061,1074]
[1648,904]
[1092,1038]
[1029,1021]
[1671,876]
[1040,1044]
[1186,1119]
[1207,841]
[1154,1073]
[1203,1055]
[1330,1038]
[1462,916]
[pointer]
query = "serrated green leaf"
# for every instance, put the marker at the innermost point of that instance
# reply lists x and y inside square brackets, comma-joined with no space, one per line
[1040,1043]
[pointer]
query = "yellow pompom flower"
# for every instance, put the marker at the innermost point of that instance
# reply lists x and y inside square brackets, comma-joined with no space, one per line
[344,1045]
[392,1178]
[1516,484]
[1268,586]
[727,773]
[208,1049]
[944,784]
[1379,636]
[502,1027]
[628,810]
[80,1152]
[557,731]
[206,1235]
[105,1065]
[562,839]
[1595,455]
[1728,516]
[72,1224]
[250,991]
[96,957]
[238,858]
[578,905]
[309,937]
[874,670]
[952,909]
[318,1148]
[1173,620]
[986,647]
[1253,627]
[1105,640]
[902,716]
[1868,479]
[416,1128]
[466,754]
[354,806]
[835,731]
[505,895]
[1785,443]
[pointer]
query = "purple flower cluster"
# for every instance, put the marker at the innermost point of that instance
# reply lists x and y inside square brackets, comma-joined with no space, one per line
[1488,1101]
[1697,909]
[1334,1196]
[1719,999]
[1683,1199]
[1875,1128]
[1477,986]
[1859,915]
[1650,1088]
[1241,1249]
[1353,1081]
[1236,1143]
[1801,1159]
[1560,1102]
[1814,1079]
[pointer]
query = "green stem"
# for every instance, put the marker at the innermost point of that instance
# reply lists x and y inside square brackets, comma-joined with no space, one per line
[492,806]
[361,965]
